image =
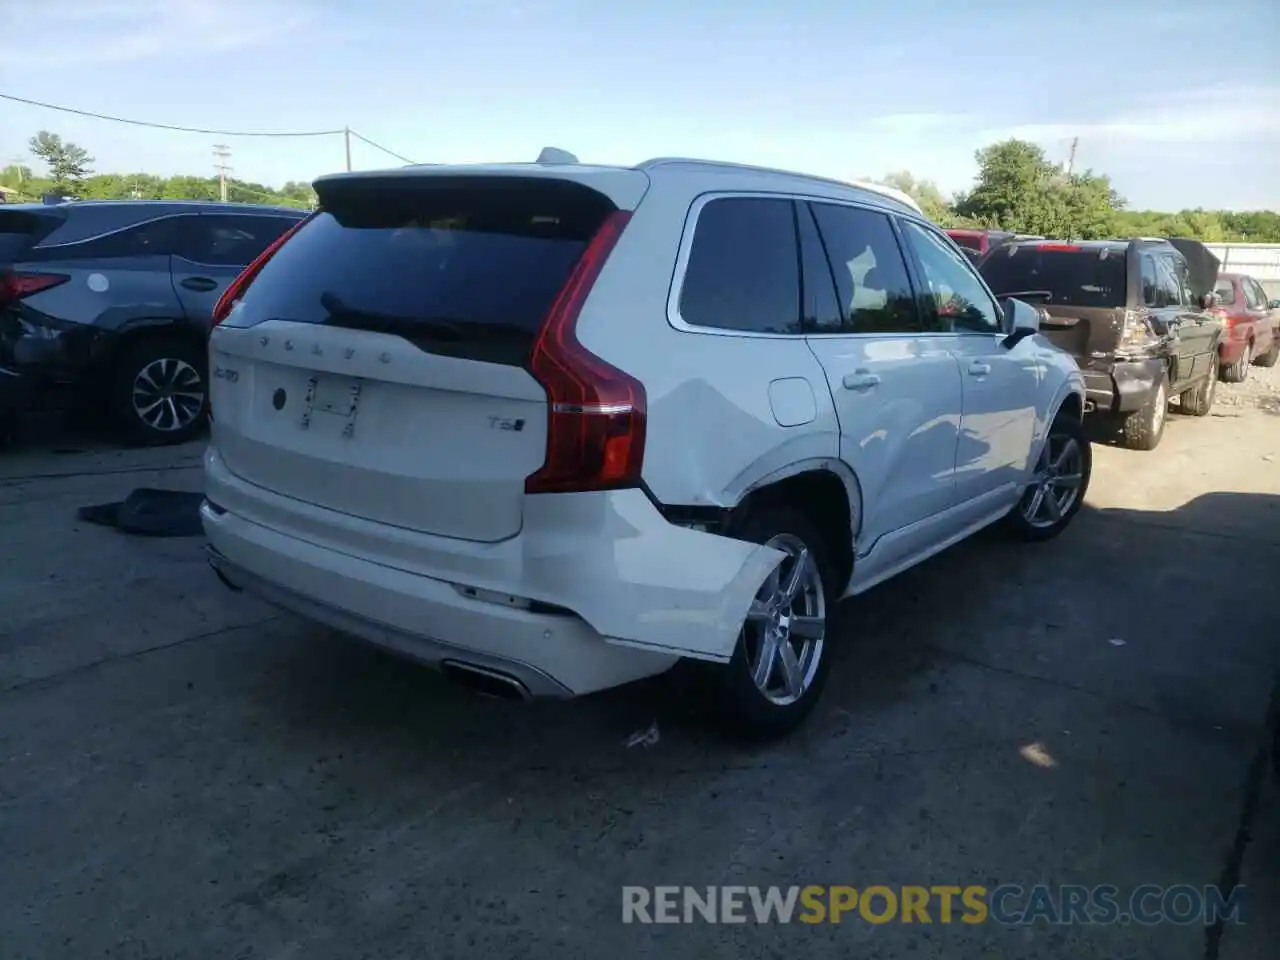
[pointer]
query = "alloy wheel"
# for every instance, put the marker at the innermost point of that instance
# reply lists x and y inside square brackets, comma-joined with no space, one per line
[787,624]
[1055,485]
[168,394]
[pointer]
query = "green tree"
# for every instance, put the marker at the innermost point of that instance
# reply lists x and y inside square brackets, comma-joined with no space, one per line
[924,192]
[68,163]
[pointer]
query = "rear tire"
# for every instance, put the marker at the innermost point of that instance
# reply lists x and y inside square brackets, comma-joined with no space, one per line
[1058,485]
[1269,358]
[159,393]
[1238,372]
[1198,401]
[1144,428]
[757,710]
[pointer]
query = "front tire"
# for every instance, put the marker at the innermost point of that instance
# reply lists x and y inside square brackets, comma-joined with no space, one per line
[780,664]
[1058,484]
[1143,429]
[1198,401]
[159,392]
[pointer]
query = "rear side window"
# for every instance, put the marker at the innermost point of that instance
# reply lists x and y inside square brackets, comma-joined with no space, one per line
[153,238]
[1225,291]
[227,239]
[1168,290]
[457,268]
[1150,279]
[743,271]
[871,275]
[1251,297]
[1080,278]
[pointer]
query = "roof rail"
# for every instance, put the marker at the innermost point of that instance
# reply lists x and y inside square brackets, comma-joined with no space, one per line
[891,193]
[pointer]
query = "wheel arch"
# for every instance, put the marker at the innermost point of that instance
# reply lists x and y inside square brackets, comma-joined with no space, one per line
[825,489]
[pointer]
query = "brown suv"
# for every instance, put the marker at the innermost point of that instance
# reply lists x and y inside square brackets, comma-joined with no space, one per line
[1134,315]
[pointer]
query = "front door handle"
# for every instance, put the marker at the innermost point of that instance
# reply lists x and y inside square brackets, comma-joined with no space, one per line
[200,284]
[979,369]
[860,380]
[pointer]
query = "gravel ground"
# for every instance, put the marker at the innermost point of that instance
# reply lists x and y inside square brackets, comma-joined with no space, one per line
[187,773]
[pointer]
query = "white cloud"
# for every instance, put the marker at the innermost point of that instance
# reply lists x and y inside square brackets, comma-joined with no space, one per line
[1210,116]
[119,31]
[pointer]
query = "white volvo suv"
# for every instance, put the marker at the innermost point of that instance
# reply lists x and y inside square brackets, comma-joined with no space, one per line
[554,427]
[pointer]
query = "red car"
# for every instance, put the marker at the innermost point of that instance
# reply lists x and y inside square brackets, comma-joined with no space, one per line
[1252,326]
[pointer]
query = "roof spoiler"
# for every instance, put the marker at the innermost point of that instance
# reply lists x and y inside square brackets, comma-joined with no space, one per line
[1201,263]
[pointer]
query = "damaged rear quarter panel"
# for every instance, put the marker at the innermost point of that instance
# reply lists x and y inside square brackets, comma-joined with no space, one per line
[640,581]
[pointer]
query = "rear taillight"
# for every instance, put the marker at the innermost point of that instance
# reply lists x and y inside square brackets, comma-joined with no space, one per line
[236,289]
[15,286]
[1067,247]
[1136,332]
[595,412]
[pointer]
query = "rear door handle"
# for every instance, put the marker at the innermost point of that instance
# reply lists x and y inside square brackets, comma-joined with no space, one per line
[979,369]
[201,284]
[860,380]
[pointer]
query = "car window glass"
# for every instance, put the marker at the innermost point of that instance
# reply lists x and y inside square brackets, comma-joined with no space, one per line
[1251,298]
[743,271]
[153,238]
[1225,291]
[1182,273]
[1167,292]
[956,295]
[870,273]
[821,312]
[1264,299]
[1149,281]
[229,240]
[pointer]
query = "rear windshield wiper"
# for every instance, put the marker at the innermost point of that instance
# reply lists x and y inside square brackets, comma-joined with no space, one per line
[341,315]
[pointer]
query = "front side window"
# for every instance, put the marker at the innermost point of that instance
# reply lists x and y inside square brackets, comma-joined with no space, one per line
[743,271]
[955,294]
[870,273]
[229,240]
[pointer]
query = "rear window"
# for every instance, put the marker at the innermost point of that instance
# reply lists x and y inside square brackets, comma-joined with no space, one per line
[967,242]
[18,231]
[456,267]
[1225,292]
[1078,278]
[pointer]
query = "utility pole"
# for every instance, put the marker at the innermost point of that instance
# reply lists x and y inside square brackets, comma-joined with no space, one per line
[346,136]
[17,163]
[221,154]
[1071,159]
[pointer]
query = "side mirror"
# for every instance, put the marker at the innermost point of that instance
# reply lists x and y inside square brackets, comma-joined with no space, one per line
[1274,305]
[1021,319]
[1208,301]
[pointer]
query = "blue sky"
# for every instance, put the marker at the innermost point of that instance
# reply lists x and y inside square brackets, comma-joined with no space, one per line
[1179,102]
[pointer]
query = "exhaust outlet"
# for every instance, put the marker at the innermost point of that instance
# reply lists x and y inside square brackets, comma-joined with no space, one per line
[482,680]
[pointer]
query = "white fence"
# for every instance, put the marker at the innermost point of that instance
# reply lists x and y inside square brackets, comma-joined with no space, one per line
[1259,260]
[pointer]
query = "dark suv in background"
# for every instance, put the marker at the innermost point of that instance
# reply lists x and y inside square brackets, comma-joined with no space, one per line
[1134,314]
[112,302]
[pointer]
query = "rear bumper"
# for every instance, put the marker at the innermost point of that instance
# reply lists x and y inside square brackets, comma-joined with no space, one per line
[1231,349]
[597,590]
[1124,386]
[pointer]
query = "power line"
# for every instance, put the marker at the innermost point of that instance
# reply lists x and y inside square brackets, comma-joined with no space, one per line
[378,146]
[170,126]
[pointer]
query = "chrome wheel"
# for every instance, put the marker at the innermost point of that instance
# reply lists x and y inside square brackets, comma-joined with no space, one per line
[1055,485]
[168,394]
[787,625]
